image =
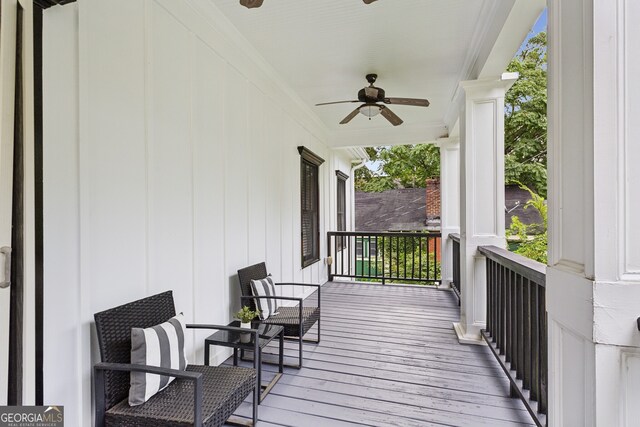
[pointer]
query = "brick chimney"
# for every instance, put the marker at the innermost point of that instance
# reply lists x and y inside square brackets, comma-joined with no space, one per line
[433,199]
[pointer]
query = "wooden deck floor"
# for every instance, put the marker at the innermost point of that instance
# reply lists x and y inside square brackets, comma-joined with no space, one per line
[397,363]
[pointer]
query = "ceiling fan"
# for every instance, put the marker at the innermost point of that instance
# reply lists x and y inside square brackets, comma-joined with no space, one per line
[250,4]
[373,99]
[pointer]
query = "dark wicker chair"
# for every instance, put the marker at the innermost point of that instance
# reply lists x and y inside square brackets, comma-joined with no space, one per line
[199,396]
[296,321]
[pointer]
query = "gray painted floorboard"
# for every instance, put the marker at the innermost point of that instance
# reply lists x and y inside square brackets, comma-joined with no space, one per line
[369,371]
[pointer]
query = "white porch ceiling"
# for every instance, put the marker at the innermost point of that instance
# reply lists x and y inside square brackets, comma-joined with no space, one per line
[323,49]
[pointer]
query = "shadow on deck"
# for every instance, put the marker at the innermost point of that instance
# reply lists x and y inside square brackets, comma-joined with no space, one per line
[389,357]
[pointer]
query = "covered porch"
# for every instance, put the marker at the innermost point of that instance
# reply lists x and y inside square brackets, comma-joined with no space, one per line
[389,356]
[160,144]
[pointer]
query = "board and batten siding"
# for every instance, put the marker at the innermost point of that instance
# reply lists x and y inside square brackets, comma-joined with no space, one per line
[170,162]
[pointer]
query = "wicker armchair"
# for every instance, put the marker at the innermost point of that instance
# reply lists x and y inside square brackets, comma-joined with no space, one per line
[199,396]
[296,321]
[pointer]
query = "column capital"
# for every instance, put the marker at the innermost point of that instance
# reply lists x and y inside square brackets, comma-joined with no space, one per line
[449,142]
[488,87]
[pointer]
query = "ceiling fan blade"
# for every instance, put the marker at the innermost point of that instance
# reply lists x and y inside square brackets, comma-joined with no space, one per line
[368,1]
[390,115]
[336,102]
[407,101]
[350,116]
[250,4]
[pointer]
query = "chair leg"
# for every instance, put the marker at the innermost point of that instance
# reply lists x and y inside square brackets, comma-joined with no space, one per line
[100,398]
[256,401]
[300,352]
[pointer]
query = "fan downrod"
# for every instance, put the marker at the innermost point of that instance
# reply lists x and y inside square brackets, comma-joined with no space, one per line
[371,78]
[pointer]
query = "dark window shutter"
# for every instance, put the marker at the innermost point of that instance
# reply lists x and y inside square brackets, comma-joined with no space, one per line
[341,206]
[310,206]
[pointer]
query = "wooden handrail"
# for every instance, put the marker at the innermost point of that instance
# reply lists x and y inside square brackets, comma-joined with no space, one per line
[528,268]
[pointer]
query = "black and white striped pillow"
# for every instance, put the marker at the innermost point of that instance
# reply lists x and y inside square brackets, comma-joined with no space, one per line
[161,345]
[265,287]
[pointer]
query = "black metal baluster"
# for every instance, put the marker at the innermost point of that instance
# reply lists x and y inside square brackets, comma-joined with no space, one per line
[413,256]
[349,252]
[377,241]
[503,311]
[420,257]
[520,329]
[384,265]
[330,255]
[429,276]
[514,322]
[496,301]
[508,300]
[526,304]
[542,330]
[397,256]
[489,296]
[404,241]
[535,345]
[341,253]
[499,307]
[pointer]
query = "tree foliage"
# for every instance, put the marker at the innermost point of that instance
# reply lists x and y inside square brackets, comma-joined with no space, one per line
[401,166]
[526,117]
[533,237]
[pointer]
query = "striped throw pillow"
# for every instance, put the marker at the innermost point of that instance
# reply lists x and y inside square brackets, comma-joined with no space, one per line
[265,287]
[161,345]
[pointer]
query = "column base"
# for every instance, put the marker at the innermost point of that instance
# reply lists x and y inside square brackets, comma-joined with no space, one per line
[445,284]
[465,337]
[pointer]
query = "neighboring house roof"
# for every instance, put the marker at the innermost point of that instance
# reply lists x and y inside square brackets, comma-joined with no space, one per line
[515,198]
[405,209]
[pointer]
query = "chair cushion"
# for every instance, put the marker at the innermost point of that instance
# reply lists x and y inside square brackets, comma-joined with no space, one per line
[265,287]
[160,345]
[288,317]
[224,388]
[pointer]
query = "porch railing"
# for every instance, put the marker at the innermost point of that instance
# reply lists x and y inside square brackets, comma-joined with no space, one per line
[400,257]
[455,284]
[517,325]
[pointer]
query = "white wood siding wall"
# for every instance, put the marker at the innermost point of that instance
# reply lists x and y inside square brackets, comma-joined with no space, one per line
[170,162]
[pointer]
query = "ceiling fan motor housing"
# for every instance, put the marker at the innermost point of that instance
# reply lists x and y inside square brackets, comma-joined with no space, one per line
[371,94]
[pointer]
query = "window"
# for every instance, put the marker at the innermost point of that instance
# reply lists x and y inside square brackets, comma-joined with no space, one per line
[310,209]
[341,206]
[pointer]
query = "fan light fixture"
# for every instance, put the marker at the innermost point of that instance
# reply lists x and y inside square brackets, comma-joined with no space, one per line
[370,110]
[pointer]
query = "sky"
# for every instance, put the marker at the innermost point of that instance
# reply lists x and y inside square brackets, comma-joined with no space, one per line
[540,25]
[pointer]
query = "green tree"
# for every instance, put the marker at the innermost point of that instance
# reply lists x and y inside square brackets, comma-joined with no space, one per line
[401,166]
[532,238]
[525,127]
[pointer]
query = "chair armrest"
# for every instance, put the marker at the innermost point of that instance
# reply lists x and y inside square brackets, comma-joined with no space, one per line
[273,297]
[302,285]
[298,284]
[99,369]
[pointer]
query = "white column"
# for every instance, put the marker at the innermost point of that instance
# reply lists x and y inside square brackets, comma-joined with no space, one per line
[593,278]
[449,203]
[481,194]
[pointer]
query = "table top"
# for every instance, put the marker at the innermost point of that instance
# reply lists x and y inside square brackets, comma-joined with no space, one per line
[231,338]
